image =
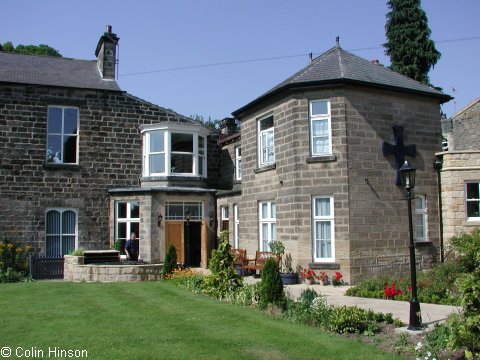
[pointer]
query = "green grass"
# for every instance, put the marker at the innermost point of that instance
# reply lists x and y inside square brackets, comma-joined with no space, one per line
[156,321]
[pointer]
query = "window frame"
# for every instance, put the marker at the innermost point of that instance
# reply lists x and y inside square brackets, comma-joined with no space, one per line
[270,221]
[320,117]
[238,163]
[236,226]
[423,212]
[62,211]
[199,155]
[261,161]
[127,220]
[62,136]
[224,217]
[185,205]
[323,218]
[471,200]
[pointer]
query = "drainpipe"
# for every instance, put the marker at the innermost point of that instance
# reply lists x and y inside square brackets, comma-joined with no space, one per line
[437,165]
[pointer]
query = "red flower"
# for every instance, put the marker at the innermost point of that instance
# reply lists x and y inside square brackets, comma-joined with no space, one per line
[308,273]
[391,292]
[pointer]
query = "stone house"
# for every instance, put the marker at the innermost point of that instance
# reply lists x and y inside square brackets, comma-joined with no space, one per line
[313,174]
[84,164]
[460,171]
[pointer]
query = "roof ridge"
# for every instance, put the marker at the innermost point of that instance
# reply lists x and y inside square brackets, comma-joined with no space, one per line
[466,107]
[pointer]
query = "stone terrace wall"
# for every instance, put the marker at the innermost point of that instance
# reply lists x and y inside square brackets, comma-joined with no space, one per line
[75,270]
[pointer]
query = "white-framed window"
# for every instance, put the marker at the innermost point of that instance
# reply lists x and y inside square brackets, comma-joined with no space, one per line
[179,210]
[267,222]
[238,163]
[174,150]
[420,218]
[266,141]
[224,217]
[236,228]
[320,128]
[62,135]
[323,229]
[472,200]
[127,220]
[60,232]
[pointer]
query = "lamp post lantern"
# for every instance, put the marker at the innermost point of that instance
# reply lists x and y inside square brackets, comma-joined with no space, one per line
[407,174]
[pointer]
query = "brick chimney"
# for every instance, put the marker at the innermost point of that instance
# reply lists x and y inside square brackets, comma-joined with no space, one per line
[106,54]
[228,126]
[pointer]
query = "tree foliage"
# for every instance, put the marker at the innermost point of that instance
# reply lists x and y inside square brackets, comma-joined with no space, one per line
[412,52]
[271,286]
[42,49]
[170,262]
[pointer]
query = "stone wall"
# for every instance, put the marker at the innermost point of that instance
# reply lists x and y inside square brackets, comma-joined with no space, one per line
[458,167]
[466,128]
[76,271]
[110,156]
[378,234]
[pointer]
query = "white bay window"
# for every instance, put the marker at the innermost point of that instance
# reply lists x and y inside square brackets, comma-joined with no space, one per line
[174,150]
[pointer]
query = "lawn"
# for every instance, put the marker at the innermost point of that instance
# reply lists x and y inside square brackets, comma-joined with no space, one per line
[154,321]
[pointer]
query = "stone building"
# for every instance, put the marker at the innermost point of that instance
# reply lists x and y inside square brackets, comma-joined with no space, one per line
[84,164]
[460,172]
[313,174]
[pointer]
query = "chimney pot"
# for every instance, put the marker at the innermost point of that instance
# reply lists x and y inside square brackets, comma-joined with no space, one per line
[375,62]
[109,29]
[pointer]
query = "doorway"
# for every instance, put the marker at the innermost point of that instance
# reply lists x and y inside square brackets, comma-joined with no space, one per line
[187,239]
[193,243]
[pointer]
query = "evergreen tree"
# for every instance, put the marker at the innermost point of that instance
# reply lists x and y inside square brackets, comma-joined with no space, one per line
[170,262]
[412,52]
[271,286]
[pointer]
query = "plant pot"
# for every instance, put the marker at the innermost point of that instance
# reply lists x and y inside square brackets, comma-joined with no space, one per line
[289,278]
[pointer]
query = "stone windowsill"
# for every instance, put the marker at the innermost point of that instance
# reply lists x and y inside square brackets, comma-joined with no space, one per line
[324,266]
[422,243]
[265,168]
[321,159]
[52,166]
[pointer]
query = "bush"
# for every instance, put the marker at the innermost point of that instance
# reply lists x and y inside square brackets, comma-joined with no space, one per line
[271,286]
[348,319]
[466,329]
[186,278]
[77,252]
[246,295]
[224,279]
[13,262]
[170,262]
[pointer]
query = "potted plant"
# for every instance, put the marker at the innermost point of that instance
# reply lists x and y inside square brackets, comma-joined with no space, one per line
[288,275]
[308,275]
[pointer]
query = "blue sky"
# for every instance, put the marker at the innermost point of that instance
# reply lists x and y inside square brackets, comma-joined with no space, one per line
[158,36]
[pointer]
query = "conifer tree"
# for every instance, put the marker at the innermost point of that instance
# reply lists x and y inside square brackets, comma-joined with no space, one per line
[412,52]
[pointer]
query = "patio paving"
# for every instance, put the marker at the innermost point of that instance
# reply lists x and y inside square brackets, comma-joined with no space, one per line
[335,295]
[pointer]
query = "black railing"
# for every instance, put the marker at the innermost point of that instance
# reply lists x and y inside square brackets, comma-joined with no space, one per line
[42,267]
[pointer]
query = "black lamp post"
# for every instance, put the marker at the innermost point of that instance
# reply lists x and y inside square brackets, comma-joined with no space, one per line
[407,174]
[188,217]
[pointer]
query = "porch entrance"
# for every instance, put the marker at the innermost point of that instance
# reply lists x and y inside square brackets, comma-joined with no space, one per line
[189,241]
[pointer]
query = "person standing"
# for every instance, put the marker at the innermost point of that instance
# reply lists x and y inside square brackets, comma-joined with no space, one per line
[131,247]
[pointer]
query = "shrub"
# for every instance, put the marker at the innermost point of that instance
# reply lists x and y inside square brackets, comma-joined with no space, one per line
[13,262]
[77,252]
[348,319]
[186,278]
[271,286]
[170,261]
[246,295]
[320,312]
[466,332]
[224,279]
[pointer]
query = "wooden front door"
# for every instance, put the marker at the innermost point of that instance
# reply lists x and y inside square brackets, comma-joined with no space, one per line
[174,236]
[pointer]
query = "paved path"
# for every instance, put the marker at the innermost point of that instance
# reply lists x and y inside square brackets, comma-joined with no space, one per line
[335,295]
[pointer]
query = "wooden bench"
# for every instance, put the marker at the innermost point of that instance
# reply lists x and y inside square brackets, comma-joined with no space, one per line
[261,258]
[240,257]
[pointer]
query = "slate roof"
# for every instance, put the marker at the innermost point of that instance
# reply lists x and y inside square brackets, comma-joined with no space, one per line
[52,71]
[339,66]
